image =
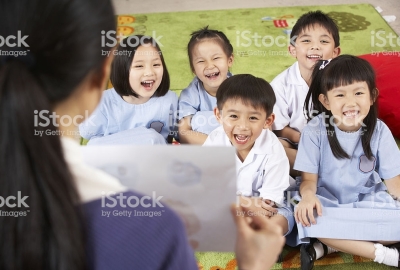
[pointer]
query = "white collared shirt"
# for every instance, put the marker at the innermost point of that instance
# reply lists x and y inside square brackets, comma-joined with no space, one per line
[264,172]
[290,91]
[91,183]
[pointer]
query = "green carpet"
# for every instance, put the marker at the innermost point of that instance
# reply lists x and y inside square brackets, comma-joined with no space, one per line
[265,56]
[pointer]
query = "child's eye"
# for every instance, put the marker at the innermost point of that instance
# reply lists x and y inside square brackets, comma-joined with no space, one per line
[324,41]
[217,58]
[359,93]
[200,61]
[339,95]
[157,65]
[305,40]
[138,66]
[233,116]
[253,118]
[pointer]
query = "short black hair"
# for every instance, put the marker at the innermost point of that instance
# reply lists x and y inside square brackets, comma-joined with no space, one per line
[121,66]
[342,70]
[249,89]
[208,34]
[315,18]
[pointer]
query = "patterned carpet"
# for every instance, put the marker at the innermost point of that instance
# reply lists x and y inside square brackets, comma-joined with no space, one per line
[259,36]
[358,26]
[291,260]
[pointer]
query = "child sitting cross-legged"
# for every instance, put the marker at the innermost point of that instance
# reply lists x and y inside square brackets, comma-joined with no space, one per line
[244,110]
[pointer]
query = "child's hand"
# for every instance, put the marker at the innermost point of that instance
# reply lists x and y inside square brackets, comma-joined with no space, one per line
[269,206]
[304,211]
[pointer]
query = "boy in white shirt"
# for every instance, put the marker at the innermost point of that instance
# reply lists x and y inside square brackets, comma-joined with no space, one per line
[315,36]
[244,109]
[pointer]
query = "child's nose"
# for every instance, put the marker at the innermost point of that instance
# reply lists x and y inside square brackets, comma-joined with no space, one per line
[350,101]
[209,65]
[243,124]
[315,45]
[148,71]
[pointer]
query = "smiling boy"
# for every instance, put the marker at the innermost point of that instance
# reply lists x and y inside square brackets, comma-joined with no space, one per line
[315,36]
[244,110]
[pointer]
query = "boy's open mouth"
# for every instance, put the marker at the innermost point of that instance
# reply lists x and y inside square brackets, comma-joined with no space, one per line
[314,57]
[241,139]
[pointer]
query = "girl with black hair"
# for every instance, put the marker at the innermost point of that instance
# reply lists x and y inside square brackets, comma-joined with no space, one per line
[344,153]
[139,109]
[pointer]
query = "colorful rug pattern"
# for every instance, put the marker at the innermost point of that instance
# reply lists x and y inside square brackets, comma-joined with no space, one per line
[260,38]
[291,260]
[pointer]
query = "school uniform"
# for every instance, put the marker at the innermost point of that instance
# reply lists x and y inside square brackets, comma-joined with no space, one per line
[194,100]
[290,92]
[356,204]
[265,171]
[147,123]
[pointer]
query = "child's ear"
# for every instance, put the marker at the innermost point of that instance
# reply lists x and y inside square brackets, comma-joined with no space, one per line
[269,121]
[218,115]
[336,52]
[374,97]
[292,50]
[325,102]
[230,60]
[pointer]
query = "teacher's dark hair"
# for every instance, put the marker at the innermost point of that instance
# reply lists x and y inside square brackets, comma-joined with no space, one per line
[63,45]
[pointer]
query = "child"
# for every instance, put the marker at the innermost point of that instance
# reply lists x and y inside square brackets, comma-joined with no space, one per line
[210,57]
[344,152]
[244,108]
[315,36]
[140,108]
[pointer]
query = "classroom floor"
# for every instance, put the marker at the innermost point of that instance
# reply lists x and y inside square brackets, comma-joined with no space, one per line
[389,7]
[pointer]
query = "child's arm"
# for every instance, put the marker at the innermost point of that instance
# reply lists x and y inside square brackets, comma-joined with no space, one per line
[393,186]
[187,135]
[305,209]
[289,133]
[94,126]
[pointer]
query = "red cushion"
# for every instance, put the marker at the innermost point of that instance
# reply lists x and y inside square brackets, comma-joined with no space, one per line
[387,68]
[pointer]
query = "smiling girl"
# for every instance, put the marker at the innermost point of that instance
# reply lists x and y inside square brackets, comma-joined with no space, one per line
[210,56]
[350,168]
[140,108]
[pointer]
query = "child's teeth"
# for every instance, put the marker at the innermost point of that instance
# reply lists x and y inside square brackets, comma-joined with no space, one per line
[350,113]
[212,74]
[241,137]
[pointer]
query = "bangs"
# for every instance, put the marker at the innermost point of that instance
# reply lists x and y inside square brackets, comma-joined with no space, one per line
[346,73]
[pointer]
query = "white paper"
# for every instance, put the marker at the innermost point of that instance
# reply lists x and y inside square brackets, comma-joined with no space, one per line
[389,18]
[199,183]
